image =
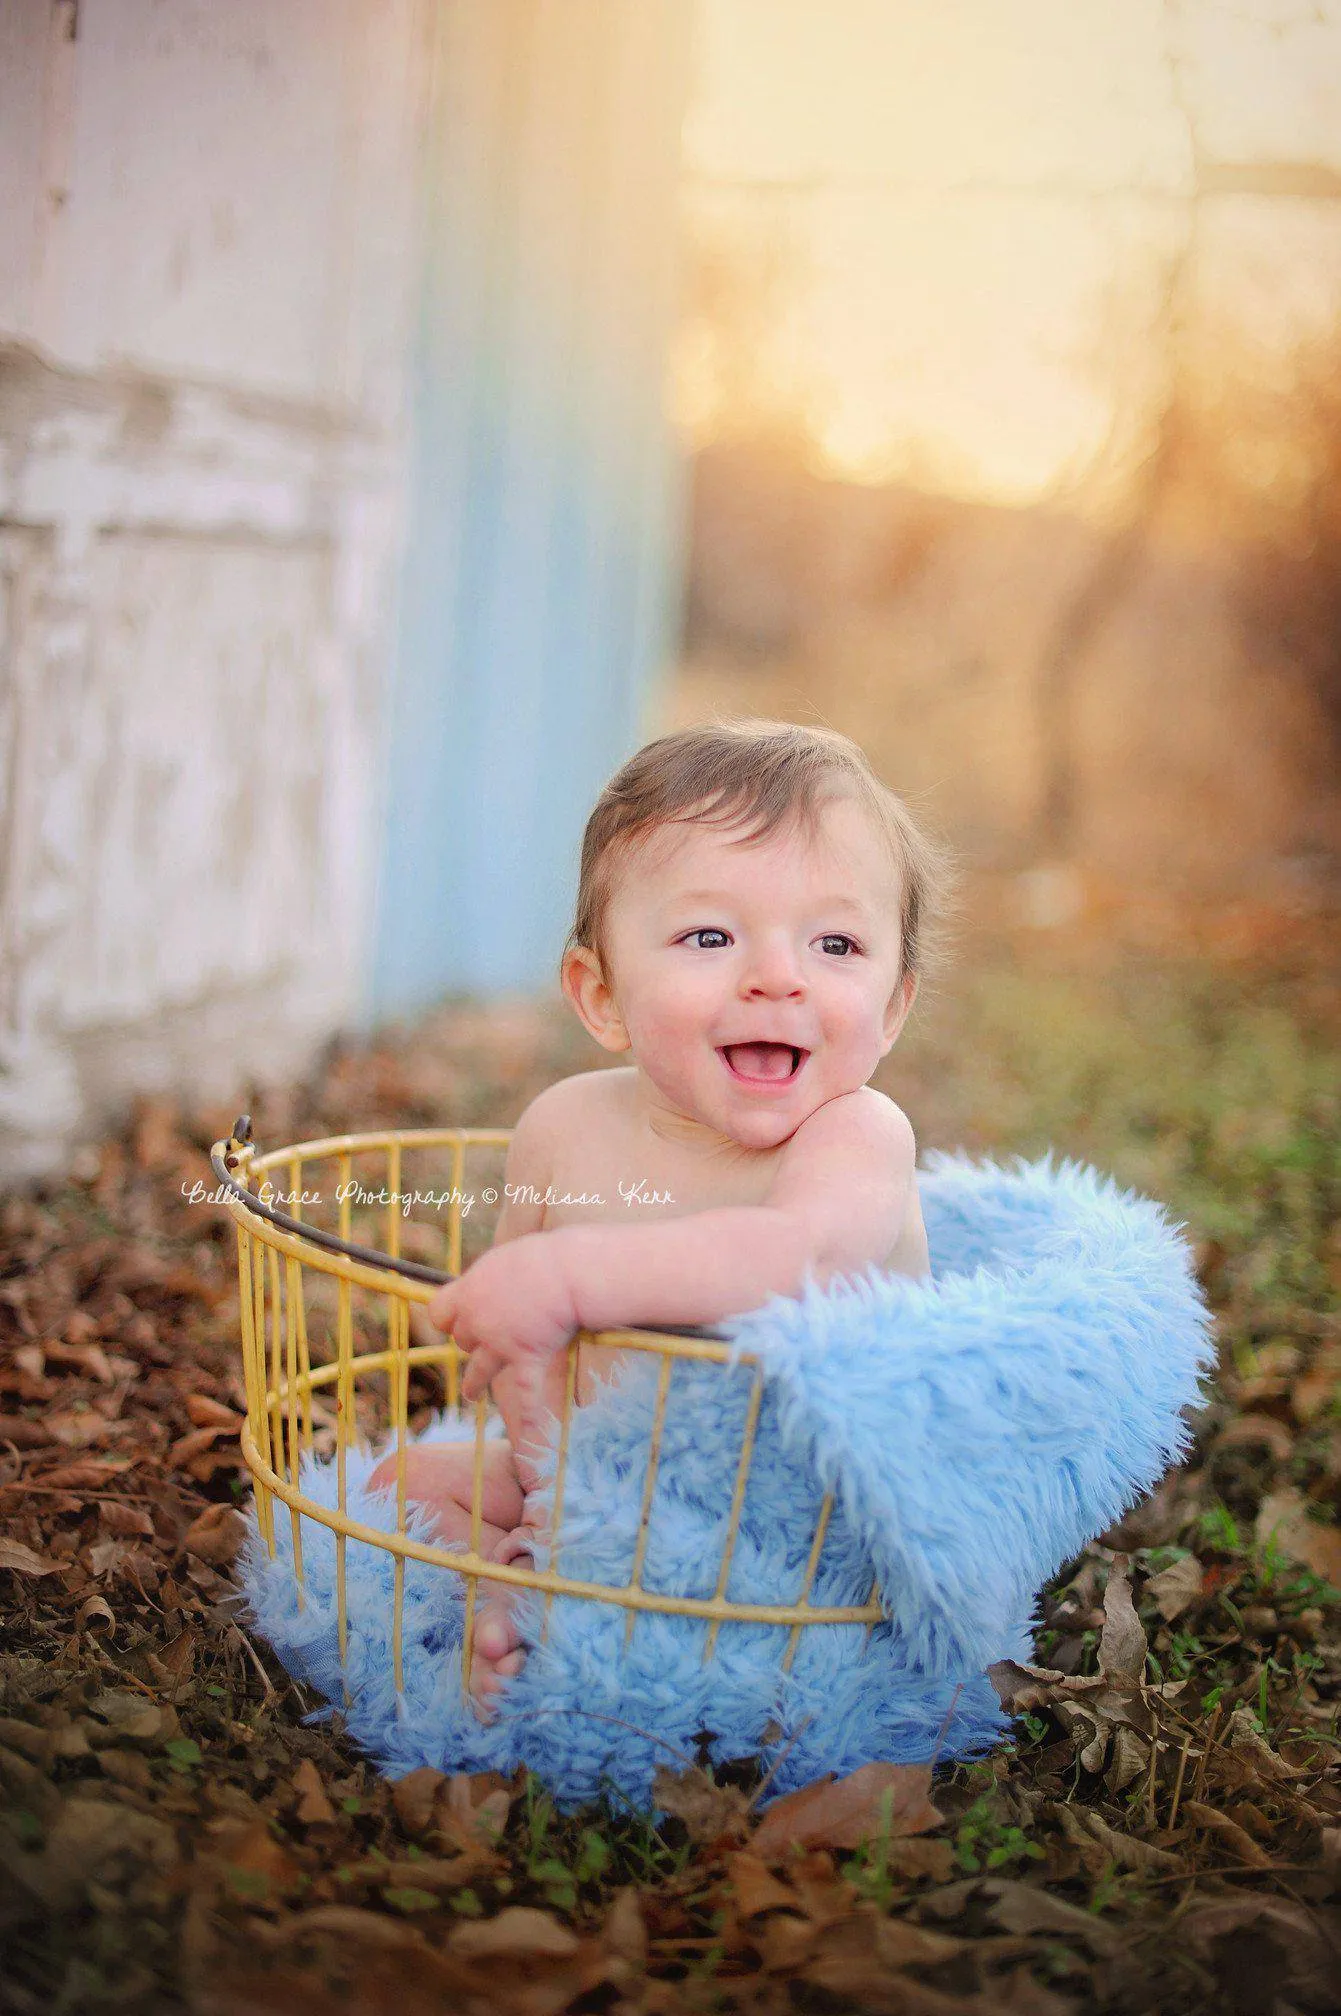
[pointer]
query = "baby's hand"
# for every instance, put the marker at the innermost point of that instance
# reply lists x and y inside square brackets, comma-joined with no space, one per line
[511,1309]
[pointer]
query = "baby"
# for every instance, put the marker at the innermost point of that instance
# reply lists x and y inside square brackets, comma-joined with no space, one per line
[750,920]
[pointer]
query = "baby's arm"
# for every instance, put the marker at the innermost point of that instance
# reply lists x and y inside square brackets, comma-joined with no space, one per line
[835,1206]
[837,1201]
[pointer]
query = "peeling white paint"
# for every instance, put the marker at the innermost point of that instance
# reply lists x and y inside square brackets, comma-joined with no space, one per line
[206,261]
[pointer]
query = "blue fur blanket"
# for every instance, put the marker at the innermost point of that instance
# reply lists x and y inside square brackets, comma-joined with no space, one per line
[976,1431]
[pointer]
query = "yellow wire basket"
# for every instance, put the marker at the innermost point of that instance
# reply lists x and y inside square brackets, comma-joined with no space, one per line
[328,1362]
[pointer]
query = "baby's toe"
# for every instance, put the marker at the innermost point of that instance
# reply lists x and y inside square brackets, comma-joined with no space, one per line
[497,1634]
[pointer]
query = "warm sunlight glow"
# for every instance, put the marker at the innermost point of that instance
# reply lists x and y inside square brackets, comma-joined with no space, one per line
[941,240]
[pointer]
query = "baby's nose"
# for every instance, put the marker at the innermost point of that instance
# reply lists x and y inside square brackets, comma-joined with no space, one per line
[772,969]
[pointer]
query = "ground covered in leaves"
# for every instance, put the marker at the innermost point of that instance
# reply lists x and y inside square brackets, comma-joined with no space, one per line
[1162,1835]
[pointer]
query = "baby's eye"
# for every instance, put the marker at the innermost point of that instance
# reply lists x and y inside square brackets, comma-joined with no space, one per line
[707,931]
[839,944]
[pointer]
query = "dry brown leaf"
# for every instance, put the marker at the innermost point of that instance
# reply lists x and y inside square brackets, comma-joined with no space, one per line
[624,1932]
[784,1941]
[216,1536]
[1176,1588]
[134,1718]
[26,1738]
[707,1809]
[1246,1429]
[249,1846]
[1303,1940]
[24,1434]
[472,1811]
[126,1522]
[1236,1838]
[89,1475]
[1284,1519]
[921,1859]
[314,1808]
[756,1888]
[1019,1907]
[84,1428]
[95,1615]
[187,1447]
[1247,1742]
[874,1802]
[1129,1760]
[89,1358]
[1089,1831]
[104,1556]
[21,1560]
[96,1838]
[861,1962]
[413,1797]
[518,1930]
[1122,1641]
[206,1413]
[344,1921]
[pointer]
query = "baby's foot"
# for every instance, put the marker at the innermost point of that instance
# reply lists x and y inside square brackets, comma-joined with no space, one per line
[498,1653]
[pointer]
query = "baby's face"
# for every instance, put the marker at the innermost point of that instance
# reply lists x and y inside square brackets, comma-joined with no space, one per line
[754,981]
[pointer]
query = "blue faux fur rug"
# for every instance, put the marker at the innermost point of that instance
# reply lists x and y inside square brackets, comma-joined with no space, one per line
[976,1432]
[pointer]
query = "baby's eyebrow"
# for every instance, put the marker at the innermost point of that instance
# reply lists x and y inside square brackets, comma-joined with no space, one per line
[842,901]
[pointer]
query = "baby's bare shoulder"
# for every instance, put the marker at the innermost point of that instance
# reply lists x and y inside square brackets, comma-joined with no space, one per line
[574,1099]
[865,1118]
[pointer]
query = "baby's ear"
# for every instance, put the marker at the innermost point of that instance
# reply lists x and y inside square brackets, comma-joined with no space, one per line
[585,985]
[899,1009]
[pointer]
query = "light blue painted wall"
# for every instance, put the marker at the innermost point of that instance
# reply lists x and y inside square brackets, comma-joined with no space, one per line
[540,599]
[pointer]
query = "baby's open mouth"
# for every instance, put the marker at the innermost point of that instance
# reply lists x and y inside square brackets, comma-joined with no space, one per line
[763,1063]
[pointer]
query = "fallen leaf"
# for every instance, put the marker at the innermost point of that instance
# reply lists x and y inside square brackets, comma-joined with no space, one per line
[1236,1838]
[248,1847]
[1176,1588]
[125,1521]
[921,1859]
[1247,1742]
[1284,1520]
[197,1443]
[624,1932]
[216,1536]
[1019,1907]
[756,1888]
[134,1718]
[1246,1429]
[1122,1641]
[81,1428]
[21,1560]
[88,1357]
[707,1809]
[1129,1760]
[1089,1831]
[24,1434]
[413,1797]
[94,1839]
[314,1808]
[519,1929]
[89,1475]
[207,1413]
[1307,1954]
[874,1802]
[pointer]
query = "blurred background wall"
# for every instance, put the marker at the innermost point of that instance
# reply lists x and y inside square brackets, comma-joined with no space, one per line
[406,406]
[338,516]
[1011,370]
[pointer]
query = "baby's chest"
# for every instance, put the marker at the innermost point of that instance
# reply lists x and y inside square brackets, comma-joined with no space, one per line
[625,1181]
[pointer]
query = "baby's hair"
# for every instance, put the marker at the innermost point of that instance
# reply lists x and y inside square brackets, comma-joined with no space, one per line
[758,775]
